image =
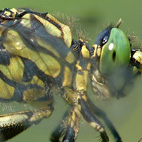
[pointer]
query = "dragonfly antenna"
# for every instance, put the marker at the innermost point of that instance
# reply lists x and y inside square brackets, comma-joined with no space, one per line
[119,23]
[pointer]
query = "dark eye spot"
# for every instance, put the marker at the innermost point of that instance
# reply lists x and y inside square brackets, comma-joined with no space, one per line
[105,39]
[114,55]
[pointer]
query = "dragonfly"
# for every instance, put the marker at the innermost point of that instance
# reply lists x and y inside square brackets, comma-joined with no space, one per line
[39,59]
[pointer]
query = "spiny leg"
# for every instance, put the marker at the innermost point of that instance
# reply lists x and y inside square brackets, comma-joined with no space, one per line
[72,124]
[89,116]
[57,133]
[14,123]
[78,98]
[69,128]
[109,124]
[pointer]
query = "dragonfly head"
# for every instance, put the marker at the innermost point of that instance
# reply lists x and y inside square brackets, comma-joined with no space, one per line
[112,53]
[112,47]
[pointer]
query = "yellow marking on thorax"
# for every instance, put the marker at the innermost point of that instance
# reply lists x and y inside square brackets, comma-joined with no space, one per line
[50,28]
[33,94]
[99,50]
[138,57]
[25,21]
[13,10]
[85,52]
[36,80]
[8,14]
[67,77]
[6,91]
[47,46]
[78,66]
[70,57]
[45,62]
[48,65]
[66,32]
[88,66]
[82,80]
[14,70]
[95,50]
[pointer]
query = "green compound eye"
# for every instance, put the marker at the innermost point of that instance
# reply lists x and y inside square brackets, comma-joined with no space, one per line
[115,52]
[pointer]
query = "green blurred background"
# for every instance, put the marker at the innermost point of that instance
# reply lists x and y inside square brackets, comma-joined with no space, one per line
[92,16]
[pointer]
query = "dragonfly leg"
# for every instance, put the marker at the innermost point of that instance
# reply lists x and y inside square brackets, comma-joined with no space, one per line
[100,113]
[57,133]
[78,99]
[14,123]
[90,117]
[72,125]
[68,129]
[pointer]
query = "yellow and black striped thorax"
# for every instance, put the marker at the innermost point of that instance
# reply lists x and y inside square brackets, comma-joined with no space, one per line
[37,51]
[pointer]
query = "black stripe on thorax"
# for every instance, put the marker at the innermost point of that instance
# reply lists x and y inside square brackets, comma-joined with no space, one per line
[19,88]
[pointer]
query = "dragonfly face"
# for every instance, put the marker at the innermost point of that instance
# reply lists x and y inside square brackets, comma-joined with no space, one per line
[115,50]
[112,48]
[39,58]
